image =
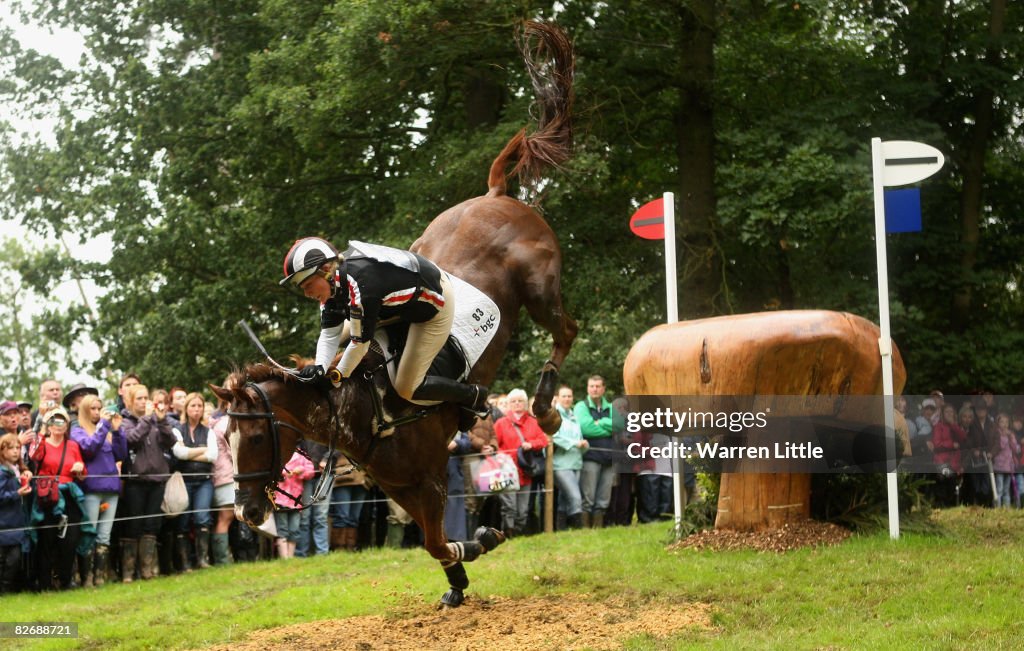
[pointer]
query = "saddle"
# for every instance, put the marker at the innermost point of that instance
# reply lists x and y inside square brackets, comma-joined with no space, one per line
[476,321]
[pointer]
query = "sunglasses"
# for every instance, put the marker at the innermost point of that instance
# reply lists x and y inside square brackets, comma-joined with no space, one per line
[59,422]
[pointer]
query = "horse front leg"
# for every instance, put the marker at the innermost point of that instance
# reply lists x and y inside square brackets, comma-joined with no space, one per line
[427,509]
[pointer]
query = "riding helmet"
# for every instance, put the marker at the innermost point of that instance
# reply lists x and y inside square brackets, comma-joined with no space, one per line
[305,256]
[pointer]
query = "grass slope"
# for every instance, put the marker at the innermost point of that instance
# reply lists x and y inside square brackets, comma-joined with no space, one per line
[959,589]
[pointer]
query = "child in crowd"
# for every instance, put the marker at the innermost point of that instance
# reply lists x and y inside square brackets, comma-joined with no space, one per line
[296,471]
[14,484]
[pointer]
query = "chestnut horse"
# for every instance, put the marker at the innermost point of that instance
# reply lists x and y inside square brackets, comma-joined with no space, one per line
[495,243]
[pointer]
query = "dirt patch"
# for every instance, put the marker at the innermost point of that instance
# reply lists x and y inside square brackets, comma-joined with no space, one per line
[789,536]
[541,623]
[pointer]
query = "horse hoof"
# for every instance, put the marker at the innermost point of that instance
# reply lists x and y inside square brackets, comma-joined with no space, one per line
[452,599]
[489,538]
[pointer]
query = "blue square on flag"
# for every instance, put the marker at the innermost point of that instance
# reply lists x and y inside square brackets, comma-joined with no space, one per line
[903,210]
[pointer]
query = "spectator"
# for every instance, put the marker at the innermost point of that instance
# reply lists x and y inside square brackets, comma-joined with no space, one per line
[98,434]
[492,406]
[57,456]
[569,446]
[980,440]
[25,421]
[50,395]
[398,520]
[196,451]
[622,504]
[176,398]
[14,485]
[148,431]
[288,496]
[482,440]
[902,426]
[947,439]
[455,509]
[518,428]
[1005,452]
[223,491]
[654,480]
[127,382]
[921,439]
[347,498]
[597,421]
[10,416]
[74,397]
[1018,480]
[313,523]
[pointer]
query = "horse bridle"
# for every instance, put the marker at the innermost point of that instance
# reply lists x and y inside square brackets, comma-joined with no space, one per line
[273,472]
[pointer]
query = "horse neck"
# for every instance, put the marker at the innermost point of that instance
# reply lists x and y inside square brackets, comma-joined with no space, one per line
[352,403]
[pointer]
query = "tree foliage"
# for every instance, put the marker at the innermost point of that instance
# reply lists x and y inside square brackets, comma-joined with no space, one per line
[204,137]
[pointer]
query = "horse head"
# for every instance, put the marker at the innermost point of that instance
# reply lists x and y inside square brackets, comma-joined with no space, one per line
[270,411]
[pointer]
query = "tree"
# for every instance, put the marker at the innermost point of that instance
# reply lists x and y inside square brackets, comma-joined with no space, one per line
[30,353]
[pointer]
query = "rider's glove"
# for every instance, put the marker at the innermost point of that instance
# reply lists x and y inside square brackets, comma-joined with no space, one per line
[312,372]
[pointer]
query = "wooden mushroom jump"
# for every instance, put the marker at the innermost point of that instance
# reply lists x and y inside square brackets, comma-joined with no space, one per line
[792,353]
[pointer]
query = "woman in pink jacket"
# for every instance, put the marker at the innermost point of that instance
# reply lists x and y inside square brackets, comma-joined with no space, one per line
[1005,451]
[295,472]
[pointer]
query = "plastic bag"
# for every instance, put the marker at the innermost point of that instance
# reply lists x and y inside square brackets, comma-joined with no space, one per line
[175,496]
[495,474]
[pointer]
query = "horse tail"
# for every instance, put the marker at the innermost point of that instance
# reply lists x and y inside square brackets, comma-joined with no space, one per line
[548,54]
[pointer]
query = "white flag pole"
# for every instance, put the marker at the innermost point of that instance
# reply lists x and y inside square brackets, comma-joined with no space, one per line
[885,340]
[672,316]
[672,303]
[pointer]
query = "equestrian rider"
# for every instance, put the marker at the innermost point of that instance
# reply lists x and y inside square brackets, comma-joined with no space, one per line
[369,283]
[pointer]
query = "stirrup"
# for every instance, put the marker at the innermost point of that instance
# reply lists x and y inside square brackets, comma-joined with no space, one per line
[480,407]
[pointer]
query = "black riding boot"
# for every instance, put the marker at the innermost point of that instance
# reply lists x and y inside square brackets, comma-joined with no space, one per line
[472,397]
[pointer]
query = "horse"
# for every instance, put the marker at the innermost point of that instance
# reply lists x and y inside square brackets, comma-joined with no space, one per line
[494,242]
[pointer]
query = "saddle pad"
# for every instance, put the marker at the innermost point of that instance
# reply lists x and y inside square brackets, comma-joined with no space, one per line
[476,320]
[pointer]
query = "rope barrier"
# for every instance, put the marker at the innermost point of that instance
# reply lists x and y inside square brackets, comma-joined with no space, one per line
[215,509]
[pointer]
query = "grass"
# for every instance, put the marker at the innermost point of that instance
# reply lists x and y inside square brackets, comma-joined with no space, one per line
[961,588]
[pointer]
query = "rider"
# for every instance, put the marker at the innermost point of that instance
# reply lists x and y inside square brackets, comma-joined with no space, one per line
[369,283]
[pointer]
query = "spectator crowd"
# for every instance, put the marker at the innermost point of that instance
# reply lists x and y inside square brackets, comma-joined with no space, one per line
[85,486]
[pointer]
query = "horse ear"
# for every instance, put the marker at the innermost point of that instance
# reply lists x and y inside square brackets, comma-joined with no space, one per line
[224,394]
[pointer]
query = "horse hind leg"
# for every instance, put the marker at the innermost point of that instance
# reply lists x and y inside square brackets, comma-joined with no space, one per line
[544,304]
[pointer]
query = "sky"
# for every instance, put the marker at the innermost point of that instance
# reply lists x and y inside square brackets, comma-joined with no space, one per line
[67,46]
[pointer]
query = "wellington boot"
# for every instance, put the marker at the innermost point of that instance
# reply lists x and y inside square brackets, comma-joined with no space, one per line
[148,563]
[101,564]
[337,538]
[221,548]
[85,571]
[129,554]
[574,521]
[203,548]
[585,519]
[396,534]
[597,520]
[181,552]
[351,538]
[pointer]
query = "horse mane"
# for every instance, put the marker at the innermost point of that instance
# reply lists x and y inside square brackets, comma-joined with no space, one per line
[548,55]
[260,372]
